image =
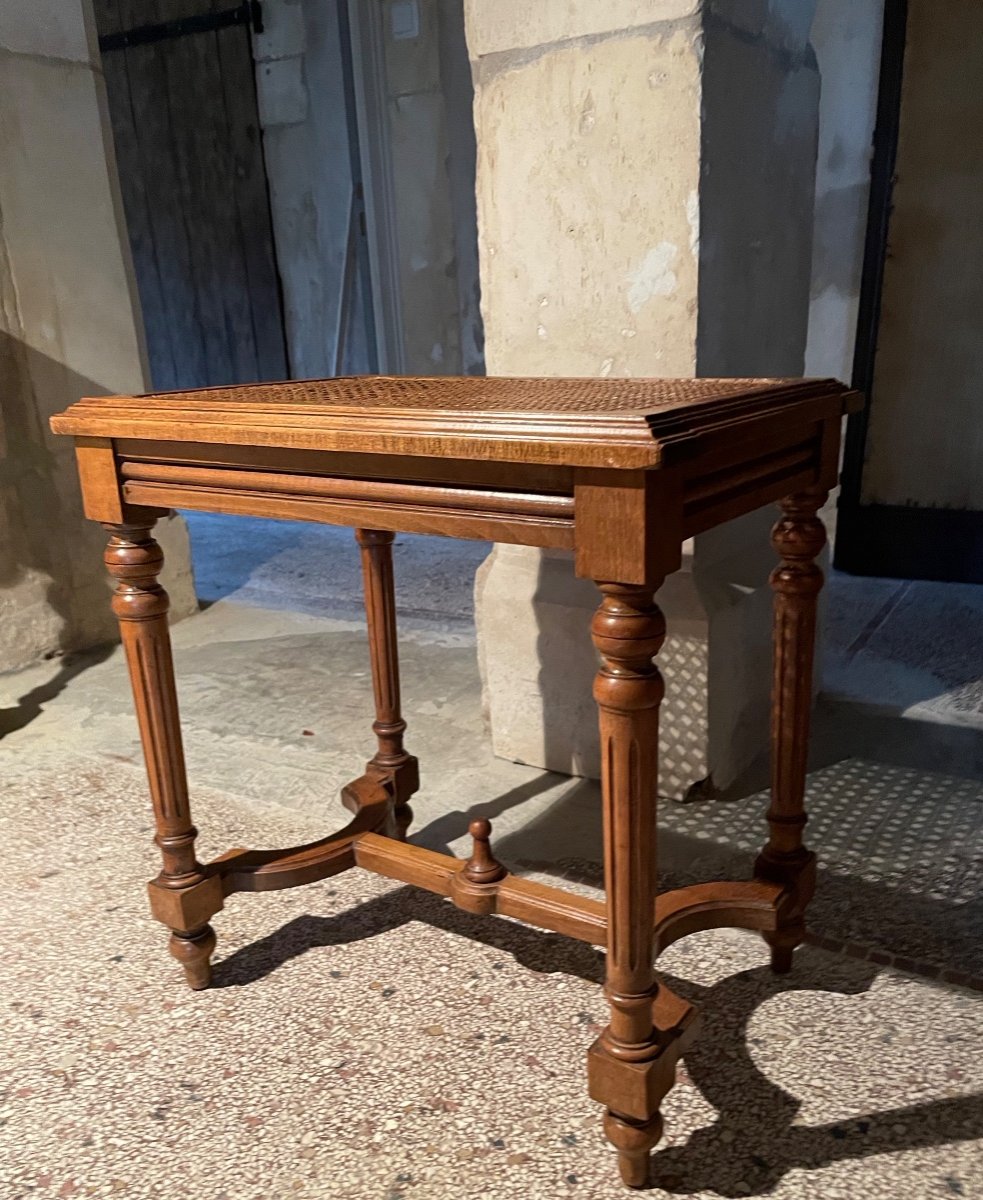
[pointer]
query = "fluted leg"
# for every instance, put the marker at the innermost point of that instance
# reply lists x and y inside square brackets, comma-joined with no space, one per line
[183,895]
[391,759]
[629,1074]
[798,537]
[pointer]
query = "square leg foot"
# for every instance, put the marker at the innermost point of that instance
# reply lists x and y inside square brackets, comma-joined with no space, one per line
[797,874]
[186,912]
[632,1091]
[188,908]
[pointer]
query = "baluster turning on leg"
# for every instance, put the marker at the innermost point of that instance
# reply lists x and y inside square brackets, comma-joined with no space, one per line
[798,537]
[183,896]
[391,760]
[628,1071]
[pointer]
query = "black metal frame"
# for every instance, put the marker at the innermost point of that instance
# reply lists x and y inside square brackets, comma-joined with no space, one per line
[250,13]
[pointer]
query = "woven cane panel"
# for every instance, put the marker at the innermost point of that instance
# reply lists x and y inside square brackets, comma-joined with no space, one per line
[478,394]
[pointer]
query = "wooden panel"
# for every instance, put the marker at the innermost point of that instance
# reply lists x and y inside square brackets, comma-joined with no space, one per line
[519,504]
[410,864]
[710,487]
[746,500]
[249,194]
[194,191]
[203,161]
[102,497]
[552,908]
[492,527]
[175,332]
[752,905]
[96,462]
[136,129]
[521,476]
[107,14]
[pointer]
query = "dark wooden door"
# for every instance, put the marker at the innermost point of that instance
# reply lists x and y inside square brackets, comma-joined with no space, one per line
[182,100]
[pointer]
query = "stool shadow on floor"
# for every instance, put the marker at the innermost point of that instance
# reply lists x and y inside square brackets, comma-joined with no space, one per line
[760,1142]
[449,827]
[890,877]
[31,704]
[535,949]
[754,1141]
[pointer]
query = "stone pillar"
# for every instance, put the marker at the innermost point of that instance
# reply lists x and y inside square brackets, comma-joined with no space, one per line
[645,199]
[69,326]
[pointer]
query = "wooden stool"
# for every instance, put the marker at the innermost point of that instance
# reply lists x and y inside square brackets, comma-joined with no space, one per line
[620,472]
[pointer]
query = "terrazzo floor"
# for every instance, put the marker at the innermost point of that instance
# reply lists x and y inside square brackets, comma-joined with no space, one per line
[364,1039]
[368,1040]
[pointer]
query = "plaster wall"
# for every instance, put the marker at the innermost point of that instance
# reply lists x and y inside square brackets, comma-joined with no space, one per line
[458,92]
[67,328]
[847,40]
[302,110]
[429,111]
[925,438]
[426,86]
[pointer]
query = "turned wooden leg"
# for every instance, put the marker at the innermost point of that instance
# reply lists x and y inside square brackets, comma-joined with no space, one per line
[183,895]
[391,759]
[629,1073]
[798,537]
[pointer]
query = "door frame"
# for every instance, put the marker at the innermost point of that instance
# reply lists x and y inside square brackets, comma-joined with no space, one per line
[362,34]
[888,540]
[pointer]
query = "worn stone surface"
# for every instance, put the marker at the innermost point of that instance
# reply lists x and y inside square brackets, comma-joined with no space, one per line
[388,1005]
[595,271]
[314,569]
[494,29]
[910,647]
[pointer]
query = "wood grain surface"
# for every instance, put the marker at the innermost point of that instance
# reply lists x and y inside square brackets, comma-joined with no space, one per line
[620,471]
[577,422]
